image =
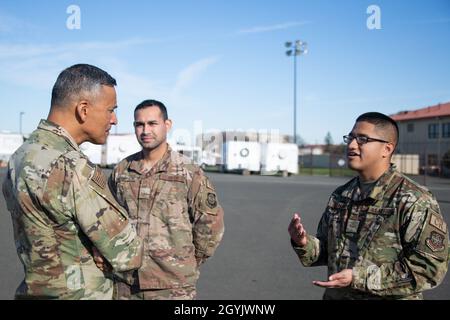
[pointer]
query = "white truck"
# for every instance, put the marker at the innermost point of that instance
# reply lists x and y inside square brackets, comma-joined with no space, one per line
[279,157]
[241,156]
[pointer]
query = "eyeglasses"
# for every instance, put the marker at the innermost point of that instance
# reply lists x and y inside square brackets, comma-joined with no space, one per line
[361,139]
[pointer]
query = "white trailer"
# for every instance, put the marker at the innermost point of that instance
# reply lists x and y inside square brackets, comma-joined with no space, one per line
[279,157]
[242,156]
[192,152]
[120,146]
[93,151]
[9,143]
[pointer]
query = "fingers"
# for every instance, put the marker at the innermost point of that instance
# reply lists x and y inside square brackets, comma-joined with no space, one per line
[327,284]
[296,227]
[337,280]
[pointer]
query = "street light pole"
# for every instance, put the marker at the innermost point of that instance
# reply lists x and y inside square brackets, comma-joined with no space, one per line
[295,49]
[20,121]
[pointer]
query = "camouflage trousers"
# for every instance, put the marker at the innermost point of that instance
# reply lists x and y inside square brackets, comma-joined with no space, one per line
[123,291]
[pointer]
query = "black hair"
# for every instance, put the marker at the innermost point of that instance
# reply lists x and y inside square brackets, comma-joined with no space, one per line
[153,103]
[382,122]
[77,79]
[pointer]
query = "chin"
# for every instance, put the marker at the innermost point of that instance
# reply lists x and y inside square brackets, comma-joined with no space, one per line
[98,141]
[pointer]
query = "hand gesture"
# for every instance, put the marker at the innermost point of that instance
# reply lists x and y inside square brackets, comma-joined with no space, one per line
[297,232]
[338,280]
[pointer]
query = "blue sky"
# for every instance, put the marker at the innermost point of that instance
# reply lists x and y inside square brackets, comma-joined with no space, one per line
[222,64]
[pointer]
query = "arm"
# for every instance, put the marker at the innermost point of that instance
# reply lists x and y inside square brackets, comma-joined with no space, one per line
[87,199]
[207,216]
[424,259]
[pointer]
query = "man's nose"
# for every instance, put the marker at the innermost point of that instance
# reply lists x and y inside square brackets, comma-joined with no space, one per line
[114,120]
[146,128]
[353,144]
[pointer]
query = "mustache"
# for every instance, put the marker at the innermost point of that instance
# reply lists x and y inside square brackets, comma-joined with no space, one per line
[148,135]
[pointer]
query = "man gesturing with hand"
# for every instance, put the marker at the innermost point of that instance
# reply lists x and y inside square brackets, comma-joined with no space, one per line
[382,235]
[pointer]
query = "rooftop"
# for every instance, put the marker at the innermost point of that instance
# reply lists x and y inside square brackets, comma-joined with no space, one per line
[439,110]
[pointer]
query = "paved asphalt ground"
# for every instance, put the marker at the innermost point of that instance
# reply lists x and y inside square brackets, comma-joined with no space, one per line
[254,260]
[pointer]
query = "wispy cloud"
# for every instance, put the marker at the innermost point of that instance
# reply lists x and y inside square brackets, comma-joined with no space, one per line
[275,27]
[36,66]
[191,73]
[10,24]
[428,21]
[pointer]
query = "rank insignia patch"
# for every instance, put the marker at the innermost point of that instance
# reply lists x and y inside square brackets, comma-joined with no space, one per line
[435,242]
[211,200]
[437,222]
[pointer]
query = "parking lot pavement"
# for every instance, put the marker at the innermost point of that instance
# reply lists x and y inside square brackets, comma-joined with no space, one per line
[254,260]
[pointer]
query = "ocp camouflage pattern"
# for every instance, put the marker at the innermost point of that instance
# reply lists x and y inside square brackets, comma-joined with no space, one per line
[61,208]
[175,209]
[393,237]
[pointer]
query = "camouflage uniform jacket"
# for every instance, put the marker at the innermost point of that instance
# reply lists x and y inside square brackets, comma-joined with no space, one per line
[61,206]
[393,237]
[176,212]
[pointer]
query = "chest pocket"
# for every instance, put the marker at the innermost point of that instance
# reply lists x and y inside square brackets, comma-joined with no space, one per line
[371,222]
[128,194]
[170,200]
[337,212]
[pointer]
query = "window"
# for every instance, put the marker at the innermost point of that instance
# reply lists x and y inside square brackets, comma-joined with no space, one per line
[433,131]
[446,130]
[410,127]
[432,159]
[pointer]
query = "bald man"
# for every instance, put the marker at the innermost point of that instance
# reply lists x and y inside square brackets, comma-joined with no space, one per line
[382,235]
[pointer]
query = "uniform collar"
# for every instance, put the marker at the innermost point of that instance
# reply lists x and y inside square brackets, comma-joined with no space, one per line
[161,166]
[59,131]
[376,193]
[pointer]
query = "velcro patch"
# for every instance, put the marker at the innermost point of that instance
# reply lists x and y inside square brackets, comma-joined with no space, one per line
[437,222]
[211,200]
[435,242]
[99,178]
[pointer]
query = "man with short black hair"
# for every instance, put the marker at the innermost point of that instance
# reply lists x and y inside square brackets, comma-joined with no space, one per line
[382,235]
[61,207]
[174,207]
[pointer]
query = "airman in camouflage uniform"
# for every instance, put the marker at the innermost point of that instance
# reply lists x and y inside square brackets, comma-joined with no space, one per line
[384,240]
[174,207]
[61,208]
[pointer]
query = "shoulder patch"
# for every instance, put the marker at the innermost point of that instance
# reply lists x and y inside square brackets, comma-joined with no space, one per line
[435,242]
[99,178]
[437,222]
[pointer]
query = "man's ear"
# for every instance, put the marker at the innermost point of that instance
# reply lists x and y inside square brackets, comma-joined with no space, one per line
[168,124]
[81,110]
[388,150]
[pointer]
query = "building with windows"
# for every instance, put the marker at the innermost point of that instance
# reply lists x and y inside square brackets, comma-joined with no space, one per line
[426,132]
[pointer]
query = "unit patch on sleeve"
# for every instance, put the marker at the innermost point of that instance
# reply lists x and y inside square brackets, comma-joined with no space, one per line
[435,242]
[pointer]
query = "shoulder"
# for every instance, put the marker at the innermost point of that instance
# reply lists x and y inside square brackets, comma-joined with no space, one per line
[184,164]
[77,164]
[124,163]
[345,189]
[412,192]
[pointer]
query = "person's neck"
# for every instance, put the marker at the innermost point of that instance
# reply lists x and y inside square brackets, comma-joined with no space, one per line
[63,120]
[152,156]
[374,174]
